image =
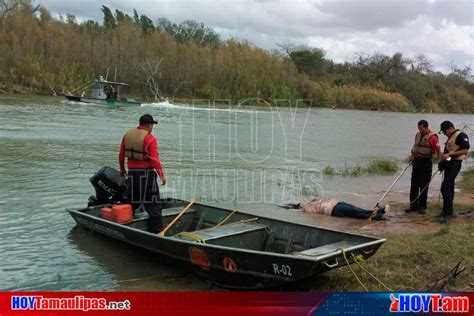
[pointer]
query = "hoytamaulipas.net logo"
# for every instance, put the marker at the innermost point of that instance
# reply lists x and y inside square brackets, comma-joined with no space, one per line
[78,302]
[429,302]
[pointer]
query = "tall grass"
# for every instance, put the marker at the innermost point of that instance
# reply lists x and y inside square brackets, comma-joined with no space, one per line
[467,181]
[382,166]
[378,166]
[358,97]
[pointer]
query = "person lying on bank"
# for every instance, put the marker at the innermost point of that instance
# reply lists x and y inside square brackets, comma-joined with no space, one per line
[329,206]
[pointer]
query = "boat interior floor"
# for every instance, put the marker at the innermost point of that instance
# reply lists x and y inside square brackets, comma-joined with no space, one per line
[245,234]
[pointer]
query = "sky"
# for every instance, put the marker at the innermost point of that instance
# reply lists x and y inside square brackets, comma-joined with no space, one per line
[442,30]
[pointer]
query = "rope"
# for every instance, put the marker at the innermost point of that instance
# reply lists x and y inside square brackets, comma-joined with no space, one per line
[225,219]
[421,220]
[192,236]
[426,186]
[353,272]
[442,180]
[357,259]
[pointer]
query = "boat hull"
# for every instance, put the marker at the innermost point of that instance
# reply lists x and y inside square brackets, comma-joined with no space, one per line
[235,259]
[109,102]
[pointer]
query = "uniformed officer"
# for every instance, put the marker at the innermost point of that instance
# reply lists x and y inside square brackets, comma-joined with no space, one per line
[455,150]
[426,147]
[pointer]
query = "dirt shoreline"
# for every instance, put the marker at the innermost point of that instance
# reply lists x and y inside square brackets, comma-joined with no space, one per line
[400,223]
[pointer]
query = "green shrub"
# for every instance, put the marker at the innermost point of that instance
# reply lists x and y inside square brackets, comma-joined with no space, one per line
[209,92]
[283,93]
[382,166]
[353,172]
[329,171]
[357,171]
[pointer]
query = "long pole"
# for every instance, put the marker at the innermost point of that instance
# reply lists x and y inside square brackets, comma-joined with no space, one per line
[388,190]
[162,233]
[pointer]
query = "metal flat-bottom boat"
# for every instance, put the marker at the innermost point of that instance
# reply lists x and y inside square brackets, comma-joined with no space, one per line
[235,249]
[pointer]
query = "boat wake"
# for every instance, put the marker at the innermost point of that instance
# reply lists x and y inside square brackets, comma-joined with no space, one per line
[159,104]
[84,104]
[184,106]
[71,102]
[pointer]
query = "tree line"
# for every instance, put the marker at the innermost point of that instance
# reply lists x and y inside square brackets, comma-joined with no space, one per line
[42,54]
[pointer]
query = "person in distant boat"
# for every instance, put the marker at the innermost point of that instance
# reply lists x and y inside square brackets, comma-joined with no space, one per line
[455,151]
[109,91]
[425,147]
[331,207]
[140,147]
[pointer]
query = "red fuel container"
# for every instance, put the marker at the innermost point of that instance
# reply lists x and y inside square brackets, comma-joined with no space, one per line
[106,213]
[122,213]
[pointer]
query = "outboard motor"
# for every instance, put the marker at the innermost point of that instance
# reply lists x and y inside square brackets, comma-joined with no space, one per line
[109,187]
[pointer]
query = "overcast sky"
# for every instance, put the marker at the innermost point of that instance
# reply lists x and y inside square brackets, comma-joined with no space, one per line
[442,30]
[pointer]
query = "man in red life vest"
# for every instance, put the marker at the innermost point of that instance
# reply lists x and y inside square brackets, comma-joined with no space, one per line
[425,147]
[140,147]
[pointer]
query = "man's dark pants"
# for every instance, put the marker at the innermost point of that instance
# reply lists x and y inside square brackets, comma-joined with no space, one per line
[451,170]
[343,209]
[420,179]
[142,187]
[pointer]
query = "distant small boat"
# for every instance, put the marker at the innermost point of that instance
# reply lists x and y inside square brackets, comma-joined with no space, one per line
[103,92]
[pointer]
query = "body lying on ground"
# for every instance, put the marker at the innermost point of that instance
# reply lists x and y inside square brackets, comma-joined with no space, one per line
[329,206]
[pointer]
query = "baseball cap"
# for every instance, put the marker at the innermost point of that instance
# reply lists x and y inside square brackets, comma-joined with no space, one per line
[147,119]
[445,125]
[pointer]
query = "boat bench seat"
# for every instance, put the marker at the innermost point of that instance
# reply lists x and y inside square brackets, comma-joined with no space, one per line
[140,219]
[243,235]
[165,214]
[229,230]
[329,248]
[174,211]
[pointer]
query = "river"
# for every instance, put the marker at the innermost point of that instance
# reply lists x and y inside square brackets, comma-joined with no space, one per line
[248,158]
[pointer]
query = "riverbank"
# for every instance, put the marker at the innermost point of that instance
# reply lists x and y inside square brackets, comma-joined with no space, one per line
[52,55]
[418,251]
[28,92]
